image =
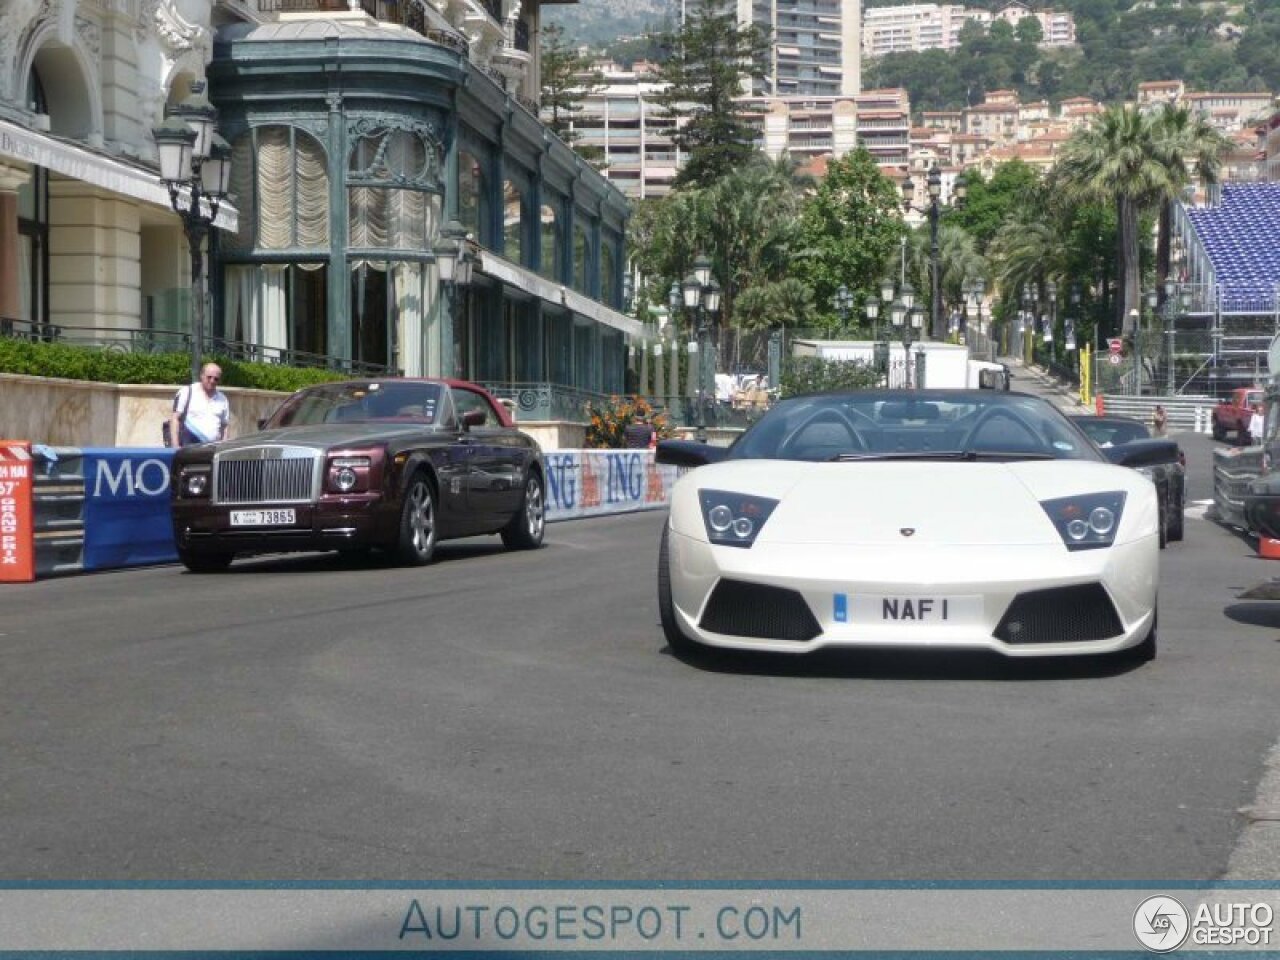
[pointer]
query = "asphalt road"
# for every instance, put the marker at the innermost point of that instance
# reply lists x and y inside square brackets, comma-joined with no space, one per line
[518,716]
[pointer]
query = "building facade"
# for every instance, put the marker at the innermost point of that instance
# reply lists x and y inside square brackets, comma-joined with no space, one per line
[816,46]
[357,131]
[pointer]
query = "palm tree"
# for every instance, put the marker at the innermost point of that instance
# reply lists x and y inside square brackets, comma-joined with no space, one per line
[1197,148]
[1134,161]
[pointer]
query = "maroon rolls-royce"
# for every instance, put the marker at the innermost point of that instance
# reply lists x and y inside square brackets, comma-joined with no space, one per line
[393,464]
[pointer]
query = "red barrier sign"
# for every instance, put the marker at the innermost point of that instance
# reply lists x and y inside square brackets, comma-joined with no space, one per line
[1115,345]
[17,553]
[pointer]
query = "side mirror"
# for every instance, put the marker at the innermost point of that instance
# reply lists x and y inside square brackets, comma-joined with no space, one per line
[1142,453]
[262,422]
[472,418]
[688,453]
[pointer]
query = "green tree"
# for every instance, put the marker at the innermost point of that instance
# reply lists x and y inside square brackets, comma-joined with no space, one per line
[567,79]
[850,227]
[1013,185]
[1192,147]
[708,59]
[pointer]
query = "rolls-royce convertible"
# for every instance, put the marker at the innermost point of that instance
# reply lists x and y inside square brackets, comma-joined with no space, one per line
[390,464]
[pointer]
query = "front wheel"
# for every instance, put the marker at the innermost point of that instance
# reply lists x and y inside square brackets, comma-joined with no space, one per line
[416,544]
[198,562]
[526,528]
[1219,432]
[1176,514]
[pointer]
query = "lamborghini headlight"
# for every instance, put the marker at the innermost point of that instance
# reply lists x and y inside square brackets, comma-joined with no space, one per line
[1089,521]
[733,519]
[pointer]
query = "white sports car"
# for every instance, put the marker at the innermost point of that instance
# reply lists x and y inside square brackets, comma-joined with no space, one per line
[930,518]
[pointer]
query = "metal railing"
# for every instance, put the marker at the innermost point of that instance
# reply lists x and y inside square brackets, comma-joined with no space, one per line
[407,13]
[171,341]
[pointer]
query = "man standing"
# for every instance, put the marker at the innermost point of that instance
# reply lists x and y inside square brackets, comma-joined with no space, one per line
[201,413]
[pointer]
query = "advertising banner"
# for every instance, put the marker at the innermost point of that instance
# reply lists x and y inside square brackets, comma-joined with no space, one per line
[587,483]
[126,519]
[17,537]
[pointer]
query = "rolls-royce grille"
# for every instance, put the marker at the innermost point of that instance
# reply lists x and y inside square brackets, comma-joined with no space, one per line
[1060,615]
[739,609]
[265,481]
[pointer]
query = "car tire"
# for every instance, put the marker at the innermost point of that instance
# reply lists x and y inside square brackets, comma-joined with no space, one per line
[1162,521]
[527,527]
[201,562]
[416,542]
[1219,433]
[680,644]
[1177,514]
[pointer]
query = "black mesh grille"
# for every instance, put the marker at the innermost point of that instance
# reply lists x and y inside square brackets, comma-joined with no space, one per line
[1060,615]
[739,609]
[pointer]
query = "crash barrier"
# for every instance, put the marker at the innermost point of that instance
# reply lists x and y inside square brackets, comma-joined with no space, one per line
[1182,412]
[67,510]
[1233,469]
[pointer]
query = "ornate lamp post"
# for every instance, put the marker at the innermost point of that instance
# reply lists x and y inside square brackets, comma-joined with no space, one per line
[1051,318]
[933,210]
[843,302]
[907,320]
[195,165]
[454,261]
[702,294]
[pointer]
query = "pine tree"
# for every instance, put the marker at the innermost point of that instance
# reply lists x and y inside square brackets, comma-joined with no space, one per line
[567,79]
[709,58]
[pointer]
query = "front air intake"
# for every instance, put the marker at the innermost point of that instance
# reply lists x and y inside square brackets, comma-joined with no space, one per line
[1060,615]
[740,609]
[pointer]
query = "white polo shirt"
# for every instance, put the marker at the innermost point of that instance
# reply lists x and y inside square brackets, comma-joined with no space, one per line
[206,416]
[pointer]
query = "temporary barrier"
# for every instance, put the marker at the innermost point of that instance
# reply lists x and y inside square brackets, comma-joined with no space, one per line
[105,508]
[127,513]
[17,560]
[587,483]
[58,506]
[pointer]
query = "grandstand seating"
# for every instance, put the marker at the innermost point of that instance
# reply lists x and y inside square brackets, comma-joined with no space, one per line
[1241,236]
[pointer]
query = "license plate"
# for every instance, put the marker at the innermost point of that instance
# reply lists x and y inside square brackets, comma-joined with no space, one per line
[263,518]
[912,609]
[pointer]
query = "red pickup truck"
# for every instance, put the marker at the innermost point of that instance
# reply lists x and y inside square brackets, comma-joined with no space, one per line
[1232,415]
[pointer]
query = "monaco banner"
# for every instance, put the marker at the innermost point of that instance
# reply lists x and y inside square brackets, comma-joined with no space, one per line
[17,537]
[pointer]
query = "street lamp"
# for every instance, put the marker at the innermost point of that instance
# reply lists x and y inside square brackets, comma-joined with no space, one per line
[843,303]
[933,182]
[702,293]
[1135,321]
[454,260]
[195,166]
[907,322]
[1051,318]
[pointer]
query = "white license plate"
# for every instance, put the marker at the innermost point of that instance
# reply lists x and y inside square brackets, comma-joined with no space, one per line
[263,518]
[908,609]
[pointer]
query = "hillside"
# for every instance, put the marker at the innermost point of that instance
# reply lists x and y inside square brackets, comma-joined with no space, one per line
[1211,46]
[600,24]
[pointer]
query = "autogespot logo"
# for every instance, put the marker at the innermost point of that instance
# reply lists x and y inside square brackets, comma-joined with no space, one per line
[1161,924]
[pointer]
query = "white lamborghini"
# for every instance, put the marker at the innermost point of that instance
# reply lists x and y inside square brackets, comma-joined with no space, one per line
[932,518]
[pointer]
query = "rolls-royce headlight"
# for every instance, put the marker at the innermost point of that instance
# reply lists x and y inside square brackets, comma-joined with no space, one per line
[195,483]
[348,474]
[734,519]
[1087,522]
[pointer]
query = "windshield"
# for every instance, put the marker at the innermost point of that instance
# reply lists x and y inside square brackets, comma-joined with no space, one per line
[894,424]
[1111,433]
[402,402]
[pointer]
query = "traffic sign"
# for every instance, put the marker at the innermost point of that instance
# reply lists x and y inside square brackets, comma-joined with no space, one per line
[1115,359]
[1115,345]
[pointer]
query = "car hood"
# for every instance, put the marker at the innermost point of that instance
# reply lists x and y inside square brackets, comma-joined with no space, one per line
[325,436]
[872,502]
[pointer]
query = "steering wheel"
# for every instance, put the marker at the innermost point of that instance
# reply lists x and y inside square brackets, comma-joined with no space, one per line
[991,415]
[825,415]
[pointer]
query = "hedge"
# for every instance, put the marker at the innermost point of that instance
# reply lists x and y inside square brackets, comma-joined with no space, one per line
[106,366]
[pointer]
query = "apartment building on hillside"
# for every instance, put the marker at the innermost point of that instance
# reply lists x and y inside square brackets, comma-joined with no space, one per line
[931,26]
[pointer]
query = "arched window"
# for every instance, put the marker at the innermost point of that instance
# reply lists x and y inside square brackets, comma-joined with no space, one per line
[512,221]
[552,250]
[471,194]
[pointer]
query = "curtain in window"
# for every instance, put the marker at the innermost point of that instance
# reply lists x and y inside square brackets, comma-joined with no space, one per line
[275,188]
[410,301]
[257,307]
[312,192]
[242,195]
[274,299]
